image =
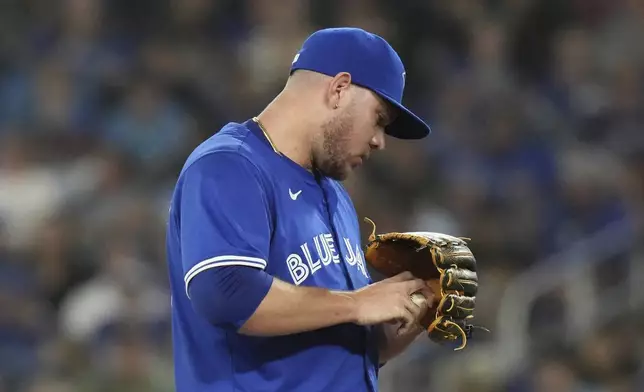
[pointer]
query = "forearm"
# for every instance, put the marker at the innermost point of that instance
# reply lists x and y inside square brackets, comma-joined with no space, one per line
[290,309]
[391,344]
[255,303]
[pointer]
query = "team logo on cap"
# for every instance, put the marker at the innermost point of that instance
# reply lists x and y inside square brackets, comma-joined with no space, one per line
[297,56]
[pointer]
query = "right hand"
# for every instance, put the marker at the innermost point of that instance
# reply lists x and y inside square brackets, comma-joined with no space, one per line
[390,301]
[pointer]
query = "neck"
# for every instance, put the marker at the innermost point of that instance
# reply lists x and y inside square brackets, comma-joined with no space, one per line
[289,130]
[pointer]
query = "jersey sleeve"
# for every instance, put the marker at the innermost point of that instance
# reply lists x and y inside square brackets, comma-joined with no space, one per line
[225,218]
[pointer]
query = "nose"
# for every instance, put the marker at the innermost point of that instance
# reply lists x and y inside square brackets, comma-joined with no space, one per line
[378,140]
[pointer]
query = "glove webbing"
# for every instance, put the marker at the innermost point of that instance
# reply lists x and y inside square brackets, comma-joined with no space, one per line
[436,257]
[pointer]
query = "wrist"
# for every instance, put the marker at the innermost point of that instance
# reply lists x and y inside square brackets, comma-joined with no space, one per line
[348,305]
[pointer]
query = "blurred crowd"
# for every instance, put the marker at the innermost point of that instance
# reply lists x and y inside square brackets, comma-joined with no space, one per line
[537,110]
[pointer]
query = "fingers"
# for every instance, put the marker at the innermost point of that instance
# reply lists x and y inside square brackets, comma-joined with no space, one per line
[411,315]
[414,285]
[407,321]
[401,277]
[407,328]
[411,319]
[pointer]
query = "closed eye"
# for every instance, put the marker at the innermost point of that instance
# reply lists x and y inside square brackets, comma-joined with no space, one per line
[381,120]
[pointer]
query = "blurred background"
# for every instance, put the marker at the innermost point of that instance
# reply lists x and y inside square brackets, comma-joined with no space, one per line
[537,154]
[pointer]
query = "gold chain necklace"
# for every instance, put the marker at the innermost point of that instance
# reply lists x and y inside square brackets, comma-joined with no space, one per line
[270,141]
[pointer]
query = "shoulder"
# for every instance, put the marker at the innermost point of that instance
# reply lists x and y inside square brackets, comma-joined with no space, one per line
[233,148]
[226,166]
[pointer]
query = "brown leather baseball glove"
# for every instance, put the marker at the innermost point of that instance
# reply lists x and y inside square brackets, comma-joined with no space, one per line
[446,263]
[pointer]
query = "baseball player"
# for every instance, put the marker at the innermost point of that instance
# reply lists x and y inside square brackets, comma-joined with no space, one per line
[270,291]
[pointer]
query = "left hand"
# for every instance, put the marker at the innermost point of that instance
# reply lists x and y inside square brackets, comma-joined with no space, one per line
[395,338]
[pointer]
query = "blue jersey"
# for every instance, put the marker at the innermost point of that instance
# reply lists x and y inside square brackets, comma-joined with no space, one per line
[265,212]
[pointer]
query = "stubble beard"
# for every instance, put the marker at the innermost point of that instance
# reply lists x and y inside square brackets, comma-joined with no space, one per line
[332,160]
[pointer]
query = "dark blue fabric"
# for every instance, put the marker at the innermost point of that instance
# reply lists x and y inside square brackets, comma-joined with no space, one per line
[229,295]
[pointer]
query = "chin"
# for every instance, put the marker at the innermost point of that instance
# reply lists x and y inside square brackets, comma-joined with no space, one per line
[339,175]
[338,172]
[346,173]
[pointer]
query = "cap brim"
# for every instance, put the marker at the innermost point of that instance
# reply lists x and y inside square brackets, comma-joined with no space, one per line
[407,125]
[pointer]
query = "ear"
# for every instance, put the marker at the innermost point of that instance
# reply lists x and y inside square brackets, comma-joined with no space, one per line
[338,91]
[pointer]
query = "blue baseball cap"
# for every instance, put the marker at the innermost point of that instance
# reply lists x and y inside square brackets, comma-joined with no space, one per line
[372,63]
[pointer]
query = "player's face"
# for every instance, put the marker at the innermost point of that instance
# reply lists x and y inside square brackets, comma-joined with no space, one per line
[349,137]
